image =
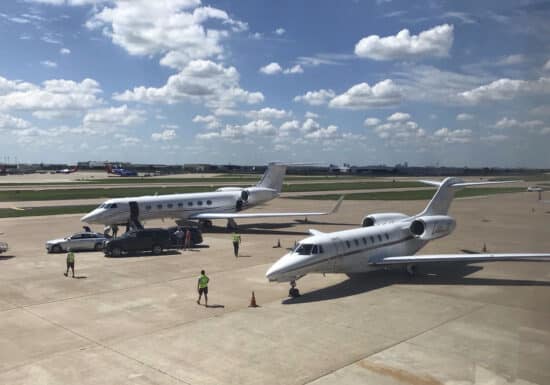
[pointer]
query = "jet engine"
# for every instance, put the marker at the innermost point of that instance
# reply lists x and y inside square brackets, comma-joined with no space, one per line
[242,200]
[432,227]
[381,219]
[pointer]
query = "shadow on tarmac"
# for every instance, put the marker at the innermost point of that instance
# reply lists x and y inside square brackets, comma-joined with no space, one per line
[6,257]
[448,274]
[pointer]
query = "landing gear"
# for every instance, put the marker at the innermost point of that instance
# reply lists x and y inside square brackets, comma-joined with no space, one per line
[231,224]
[293,292]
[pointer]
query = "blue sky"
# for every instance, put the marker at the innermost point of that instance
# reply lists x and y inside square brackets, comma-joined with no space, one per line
[361,82]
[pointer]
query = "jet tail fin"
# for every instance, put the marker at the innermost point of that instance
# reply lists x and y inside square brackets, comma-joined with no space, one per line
[442,199]
[273,176]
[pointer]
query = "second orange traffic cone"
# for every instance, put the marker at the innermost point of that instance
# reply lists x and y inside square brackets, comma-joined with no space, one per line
[253,301]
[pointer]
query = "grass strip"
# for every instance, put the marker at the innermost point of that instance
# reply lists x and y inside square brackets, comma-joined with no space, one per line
[119,192]
[47,210]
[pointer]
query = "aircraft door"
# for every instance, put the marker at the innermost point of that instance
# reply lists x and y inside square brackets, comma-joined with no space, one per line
[134,210]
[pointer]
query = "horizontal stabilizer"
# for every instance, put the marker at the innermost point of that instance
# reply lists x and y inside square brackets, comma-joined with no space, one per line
[471,258]
[315,232]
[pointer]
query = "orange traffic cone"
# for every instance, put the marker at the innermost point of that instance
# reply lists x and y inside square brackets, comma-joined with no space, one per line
[253,301]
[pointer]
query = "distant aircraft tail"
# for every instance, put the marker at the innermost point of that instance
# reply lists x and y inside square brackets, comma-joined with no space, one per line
[441,201]
[273,177]
[74,169]
[108,168]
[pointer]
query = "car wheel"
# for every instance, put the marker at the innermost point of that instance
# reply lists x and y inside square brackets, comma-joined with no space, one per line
[98,246]
[57,249]
[157,249]
[116,252]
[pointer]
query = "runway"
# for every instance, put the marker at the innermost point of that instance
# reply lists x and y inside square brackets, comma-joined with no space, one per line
[135,321]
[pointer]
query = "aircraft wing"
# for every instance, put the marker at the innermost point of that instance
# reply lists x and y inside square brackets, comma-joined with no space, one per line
[266,215]
[471,258]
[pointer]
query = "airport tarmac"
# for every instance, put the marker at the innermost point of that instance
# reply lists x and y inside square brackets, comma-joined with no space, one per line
[134,320]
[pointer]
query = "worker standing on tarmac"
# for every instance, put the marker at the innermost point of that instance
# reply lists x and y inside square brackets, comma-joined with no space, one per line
[236,242]
[202,288]
[70,262]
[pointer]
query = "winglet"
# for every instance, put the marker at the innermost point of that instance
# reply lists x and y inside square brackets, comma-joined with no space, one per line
[337,205]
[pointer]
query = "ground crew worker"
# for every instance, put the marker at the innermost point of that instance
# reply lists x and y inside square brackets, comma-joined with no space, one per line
[70,262]
[236,242]
[188,239]
[179,237]
[202,288]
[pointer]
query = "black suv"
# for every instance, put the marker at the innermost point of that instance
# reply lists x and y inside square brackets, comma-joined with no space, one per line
[154,240]
[196,235]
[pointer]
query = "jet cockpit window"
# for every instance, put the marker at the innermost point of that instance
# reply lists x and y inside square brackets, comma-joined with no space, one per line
[314,250]
[304,249]
[113,206]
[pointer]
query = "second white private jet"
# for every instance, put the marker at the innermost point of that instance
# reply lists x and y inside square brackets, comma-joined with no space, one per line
[224,203]
[385,239]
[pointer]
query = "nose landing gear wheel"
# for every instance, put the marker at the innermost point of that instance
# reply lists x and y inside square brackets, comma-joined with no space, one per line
[293,292]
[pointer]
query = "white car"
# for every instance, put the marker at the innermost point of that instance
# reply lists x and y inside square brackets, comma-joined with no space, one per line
[77,242]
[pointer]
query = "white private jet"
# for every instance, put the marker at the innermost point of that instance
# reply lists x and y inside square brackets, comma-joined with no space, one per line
[385,239]
[224,203]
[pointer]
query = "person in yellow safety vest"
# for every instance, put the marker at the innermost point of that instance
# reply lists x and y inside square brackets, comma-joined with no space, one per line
[70,262]
[202,288]
[236,242]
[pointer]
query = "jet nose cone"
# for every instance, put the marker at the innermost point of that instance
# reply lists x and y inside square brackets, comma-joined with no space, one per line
[279,268]
[91,216]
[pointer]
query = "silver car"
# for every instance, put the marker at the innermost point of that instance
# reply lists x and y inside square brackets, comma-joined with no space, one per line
[77,242]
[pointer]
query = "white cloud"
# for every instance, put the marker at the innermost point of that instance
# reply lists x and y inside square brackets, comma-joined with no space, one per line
[271,69]
[268,113]
[464,116]
[398,117]
[210,121]
[311,115]
[275,68]
[174,28]
[54,94]
[296,69]
[544,131]
[8,122]
[362,96]
[546,66]
[200,81]
[310,125]
[399,132]
[64,51]
[237,132]
[316,98]
[505,89]
[105,120]
[370,122]
[433,42]
[511,60]
[280,31]
[164,136]
[48,63]
[513,123]
[494,138]
[330,132]
[290,125]
[462,16]
[454,136]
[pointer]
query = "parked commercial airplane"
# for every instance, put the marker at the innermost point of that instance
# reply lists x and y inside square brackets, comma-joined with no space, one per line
[66,170]
[385,239]
[224,203]
[120,171]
